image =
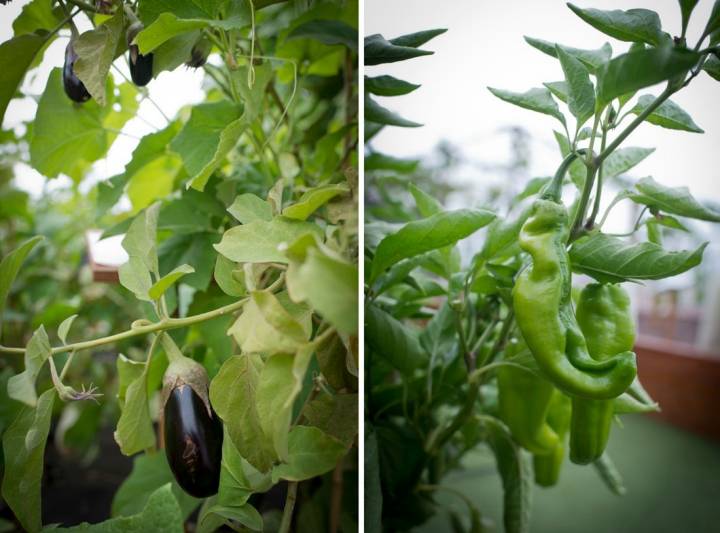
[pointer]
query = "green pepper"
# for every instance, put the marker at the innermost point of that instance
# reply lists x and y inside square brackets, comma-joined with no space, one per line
[523,403]
[543,307]
[603,313]
[547,466]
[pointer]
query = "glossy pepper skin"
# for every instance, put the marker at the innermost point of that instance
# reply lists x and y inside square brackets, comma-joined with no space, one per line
[604,315]
[547,466]
[543,307]
[74,88]
[523,403]
[193,442]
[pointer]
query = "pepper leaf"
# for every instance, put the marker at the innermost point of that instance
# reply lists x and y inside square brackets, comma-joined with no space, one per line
[672,200]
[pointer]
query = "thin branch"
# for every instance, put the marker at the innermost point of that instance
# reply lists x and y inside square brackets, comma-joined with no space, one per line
[289,507]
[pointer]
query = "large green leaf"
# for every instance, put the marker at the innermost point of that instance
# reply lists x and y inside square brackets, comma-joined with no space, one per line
[427,234]
[592,59]
[668,115]
[539,100]
[16,55]
[23,449]
[642,68]
[37,15]
[672,200]
[632,25]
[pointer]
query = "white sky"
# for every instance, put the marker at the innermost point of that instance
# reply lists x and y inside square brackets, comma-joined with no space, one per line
[484,46]
[171,91]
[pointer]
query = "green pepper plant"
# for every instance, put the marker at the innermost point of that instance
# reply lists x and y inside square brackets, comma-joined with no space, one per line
[499,350]
[235,349]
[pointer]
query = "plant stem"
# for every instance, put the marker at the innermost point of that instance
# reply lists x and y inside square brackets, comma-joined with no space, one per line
[598,189]
[162,325]
[289,507]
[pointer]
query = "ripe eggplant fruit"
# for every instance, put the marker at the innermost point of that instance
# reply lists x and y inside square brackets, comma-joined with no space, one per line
[74,88]
[141,66]
[193,442]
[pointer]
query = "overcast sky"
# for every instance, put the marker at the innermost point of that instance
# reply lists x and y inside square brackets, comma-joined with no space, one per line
[484,46]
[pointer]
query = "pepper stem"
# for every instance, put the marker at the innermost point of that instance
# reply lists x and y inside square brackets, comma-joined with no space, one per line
[554,189]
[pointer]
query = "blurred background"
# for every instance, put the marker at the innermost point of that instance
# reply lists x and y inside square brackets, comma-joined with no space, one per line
[476,150]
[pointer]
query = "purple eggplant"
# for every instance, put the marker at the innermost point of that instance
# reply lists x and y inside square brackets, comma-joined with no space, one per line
[74,88]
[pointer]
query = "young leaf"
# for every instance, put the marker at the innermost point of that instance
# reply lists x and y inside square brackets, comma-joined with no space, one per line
[311,453]
[668,115]
[611,260]
[312,200]
[9,268]
[24,449]
[427,205]
[643,68]
[427,234]
[539,100]
[21,387]
[96,50]
[581,93]
[248,208]
[168,280]
[592,59]
[388,86]
[631,25]
[392,340]
[379,50]
[232,395]
[377,113]
[673,200]
[64,328]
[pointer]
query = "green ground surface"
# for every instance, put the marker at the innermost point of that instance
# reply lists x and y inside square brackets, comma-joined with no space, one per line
[672,479]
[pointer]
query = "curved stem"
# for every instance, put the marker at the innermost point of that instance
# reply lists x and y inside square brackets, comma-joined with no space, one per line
[289,507]
[553,192]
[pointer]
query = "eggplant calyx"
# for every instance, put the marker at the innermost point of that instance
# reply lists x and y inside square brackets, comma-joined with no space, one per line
[183,371]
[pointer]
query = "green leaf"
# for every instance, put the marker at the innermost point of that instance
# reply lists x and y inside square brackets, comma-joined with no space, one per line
[134,276]
[21,387]
[260,241]
[392,340]
[581,93]
[668,115]
[281,381]
[154,181]
[267,326]
[64,327]
[427,234]
[150,471]
[592,59]
[388,86]
[127,372]
[225,279]
[515,470]
[16,56]
[24,449]
[328,283]
[194,249]
[9,268]
[96,51]
[379,161]
[577,169]
[672,200]
[36,15]
[712,67]
[311,453]
[686,8]
[623,159]
[632,25]
[62,127]
[642,68]
[162,514]
[168,280]
[328,32]
[611,260]
[336,415]
[232,394]
[135,431]
[539,100]
[141,238]
[559,89]
[312,200]
[502,235]
[379,50]
[377,113]
[238,478]
[714,20]
[418,38]
[248,208]
[212,131]
[426,205]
